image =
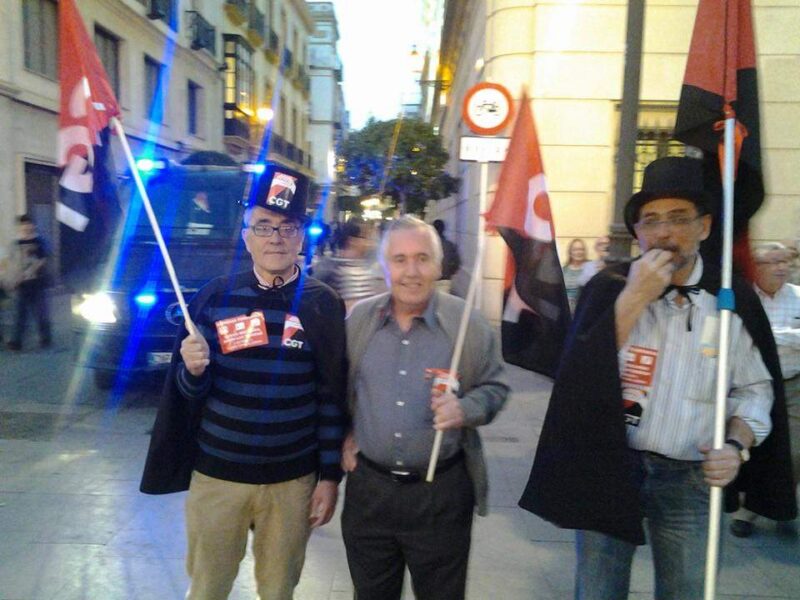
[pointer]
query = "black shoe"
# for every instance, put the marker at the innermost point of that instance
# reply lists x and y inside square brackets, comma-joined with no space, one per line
[15,346]
[45,344]
[742,529]
[786,529]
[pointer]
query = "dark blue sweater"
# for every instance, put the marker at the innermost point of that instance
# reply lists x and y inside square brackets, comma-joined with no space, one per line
[269,413]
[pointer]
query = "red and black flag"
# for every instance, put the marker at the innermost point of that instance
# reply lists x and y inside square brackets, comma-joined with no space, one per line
[720,81]
[535,312]
[88,206]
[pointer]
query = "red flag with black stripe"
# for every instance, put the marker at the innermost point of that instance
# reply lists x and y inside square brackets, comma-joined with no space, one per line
[88,206]
[720,79]
[535,310]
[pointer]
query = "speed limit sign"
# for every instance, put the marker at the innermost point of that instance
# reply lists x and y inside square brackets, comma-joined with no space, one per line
[487,108]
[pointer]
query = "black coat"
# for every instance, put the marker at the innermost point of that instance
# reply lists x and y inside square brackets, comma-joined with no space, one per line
[582,476]
[173,444]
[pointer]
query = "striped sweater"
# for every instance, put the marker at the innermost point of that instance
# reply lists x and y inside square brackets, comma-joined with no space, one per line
[273,412]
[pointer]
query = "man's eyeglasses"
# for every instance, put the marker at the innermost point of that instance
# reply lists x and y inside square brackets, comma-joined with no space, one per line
[780,262]
[673,223]
[285,231]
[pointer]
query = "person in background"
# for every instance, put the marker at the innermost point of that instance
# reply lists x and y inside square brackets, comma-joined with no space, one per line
[451,261]
[353,272]
[30,266]
[781,301]
[573,269]
[593,267]
[794,261]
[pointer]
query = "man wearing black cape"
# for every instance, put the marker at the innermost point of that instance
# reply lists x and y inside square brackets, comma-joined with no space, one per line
[629,427]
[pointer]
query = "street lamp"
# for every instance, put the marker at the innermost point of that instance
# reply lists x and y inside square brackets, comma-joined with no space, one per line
[264,114]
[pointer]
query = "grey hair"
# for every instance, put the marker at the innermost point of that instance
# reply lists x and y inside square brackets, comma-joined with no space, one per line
[410,223]
[761,250]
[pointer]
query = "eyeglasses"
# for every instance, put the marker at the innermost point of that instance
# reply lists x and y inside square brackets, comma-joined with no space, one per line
[285,231]
[673,223]
[781,262]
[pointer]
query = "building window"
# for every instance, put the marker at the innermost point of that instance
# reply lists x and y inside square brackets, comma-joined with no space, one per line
[40,24]
[239,85]
[194,102]
[656,124]
[295,137]
[153,89]
[107,45]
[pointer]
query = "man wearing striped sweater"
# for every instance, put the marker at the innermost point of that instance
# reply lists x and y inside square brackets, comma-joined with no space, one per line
[253,415]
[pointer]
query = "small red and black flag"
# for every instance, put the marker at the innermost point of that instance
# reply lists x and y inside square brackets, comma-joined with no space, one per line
[720,81]
[88,206]
[536,313]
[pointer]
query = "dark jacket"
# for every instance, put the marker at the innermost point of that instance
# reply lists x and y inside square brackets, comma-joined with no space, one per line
[173,445]
[581,476]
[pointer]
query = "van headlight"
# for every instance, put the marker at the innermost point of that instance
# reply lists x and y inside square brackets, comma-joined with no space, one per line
[97,308]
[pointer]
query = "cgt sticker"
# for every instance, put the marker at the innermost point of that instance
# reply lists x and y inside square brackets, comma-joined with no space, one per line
[294,336]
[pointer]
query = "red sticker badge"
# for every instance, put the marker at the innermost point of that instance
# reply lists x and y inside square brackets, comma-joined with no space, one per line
[637,379]
[440,378]
[244,331]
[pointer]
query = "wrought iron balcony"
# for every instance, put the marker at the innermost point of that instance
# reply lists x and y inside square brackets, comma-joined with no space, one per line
[203,33]
[237,124]
[256,31]
[237,10]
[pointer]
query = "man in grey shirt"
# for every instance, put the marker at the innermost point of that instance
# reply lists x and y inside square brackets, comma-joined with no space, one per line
[400,345]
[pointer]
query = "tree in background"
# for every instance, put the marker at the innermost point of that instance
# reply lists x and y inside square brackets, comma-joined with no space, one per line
[413,175]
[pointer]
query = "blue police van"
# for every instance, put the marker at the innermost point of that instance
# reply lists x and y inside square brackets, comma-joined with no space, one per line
[126,327]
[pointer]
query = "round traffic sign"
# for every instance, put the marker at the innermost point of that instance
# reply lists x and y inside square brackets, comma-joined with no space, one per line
[487,108]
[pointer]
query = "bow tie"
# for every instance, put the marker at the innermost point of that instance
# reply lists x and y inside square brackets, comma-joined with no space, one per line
[683,290]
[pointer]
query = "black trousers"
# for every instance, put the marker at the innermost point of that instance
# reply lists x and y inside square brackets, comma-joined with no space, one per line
[387,525]
[32,299]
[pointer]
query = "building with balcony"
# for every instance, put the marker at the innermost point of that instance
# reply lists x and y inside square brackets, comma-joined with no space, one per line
[570,56]
[162,58]
[267,88]
[328,123]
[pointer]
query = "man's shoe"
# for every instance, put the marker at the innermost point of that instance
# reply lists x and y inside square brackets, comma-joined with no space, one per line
[45,344]
[786,529]
[741,528]
[15,346]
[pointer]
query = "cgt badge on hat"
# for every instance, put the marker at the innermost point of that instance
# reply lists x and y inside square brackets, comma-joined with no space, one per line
[281,190]
[669,177]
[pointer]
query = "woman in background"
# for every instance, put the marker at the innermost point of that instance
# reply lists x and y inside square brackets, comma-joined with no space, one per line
[573,268]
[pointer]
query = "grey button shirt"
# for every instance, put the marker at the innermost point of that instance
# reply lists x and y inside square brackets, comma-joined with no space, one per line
[393,419]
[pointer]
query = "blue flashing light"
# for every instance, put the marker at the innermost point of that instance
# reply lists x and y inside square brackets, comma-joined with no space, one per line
[145,299]
[257,168]
[147,165]
[315,230]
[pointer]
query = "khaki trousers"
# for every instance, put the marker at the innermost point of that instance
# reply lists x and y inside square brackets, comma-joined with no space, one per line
[219,515]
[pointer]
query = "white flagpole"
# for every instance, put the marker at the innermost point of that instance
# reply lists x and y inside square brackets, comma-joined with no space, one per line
[468,305]
[726,306]
[190,326]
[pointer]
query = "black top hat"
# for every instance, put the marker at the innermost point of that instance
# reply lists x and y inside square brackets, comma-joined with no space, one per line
[281,190]
[669,177]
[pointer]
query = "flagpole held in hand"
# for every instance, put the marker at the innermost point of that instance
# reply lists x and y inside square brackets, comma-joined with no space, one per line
[462,329]
[190,326]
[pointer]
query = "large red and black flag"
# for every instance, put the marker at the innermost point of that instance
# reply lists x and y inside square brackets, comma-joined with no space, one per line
[535,312]
[88,206]
[720,81]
